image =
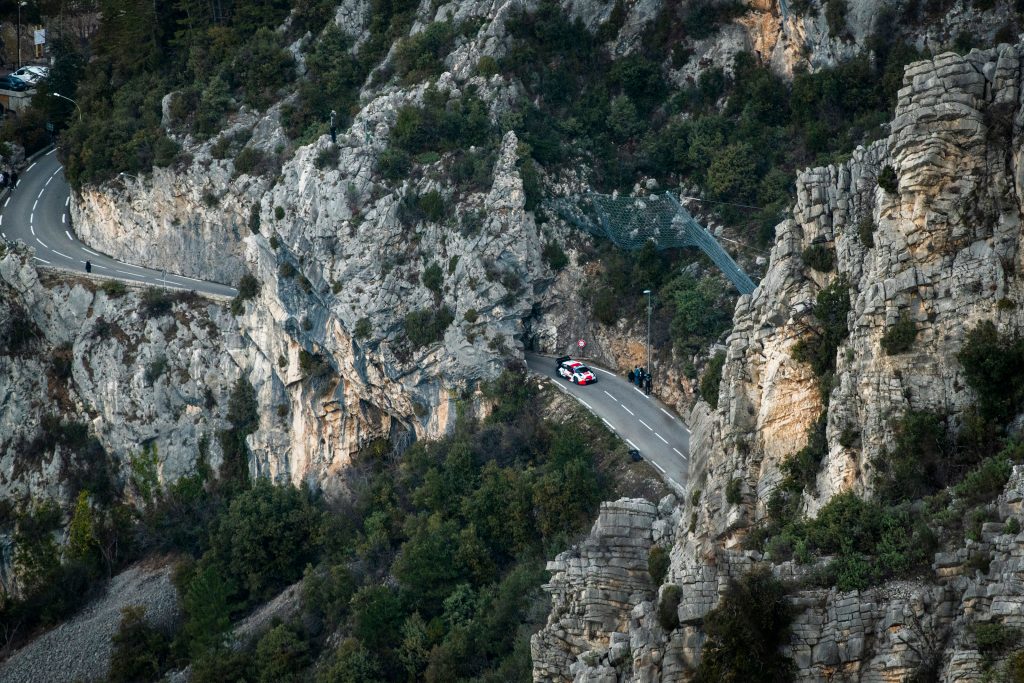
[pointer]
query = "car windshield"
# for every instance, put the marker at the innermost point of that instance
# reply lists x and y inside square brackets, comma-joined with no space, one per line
[582,368]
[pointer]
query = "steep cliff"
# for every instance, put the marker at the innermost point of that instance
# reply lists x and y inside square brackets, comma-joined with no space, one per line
[939,246]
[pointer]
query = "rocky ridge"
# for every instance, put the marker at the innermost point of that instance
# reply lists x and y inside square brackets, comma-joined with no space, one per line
[946,247]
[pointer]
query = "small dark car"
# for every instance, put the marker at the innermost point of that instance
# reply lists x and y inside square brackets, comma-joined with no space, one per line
[12,83]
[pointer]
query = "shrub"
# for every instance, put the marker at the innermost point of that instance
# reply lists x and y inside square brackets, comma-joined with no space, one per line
[554,255]
[734,491]
[746,631]
[328,157]
[819,257]
[917,462]
[420,56]
[432,206]
[279,212]
[668,607]
[114,288]
[282,655]
[487,66]
[835,14]
[394,164]
[995,639]
[985,482]
[254,219]
[711,381]
[156,302]
[830,311]
[156,368]
[363,328]
[866,231]
[140,652]
[1012,526]
[900,337]
[433,278]
[887,180]
[471,315]
[427,326]
[657,564]
[994,368]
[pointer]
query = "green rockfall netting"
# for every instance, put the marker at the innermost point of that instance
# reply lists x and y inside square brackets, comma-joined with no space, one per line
[631,222]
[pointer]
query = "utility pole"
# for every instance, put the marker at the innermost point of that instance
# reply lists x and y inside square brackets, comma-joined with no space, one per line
[648,293]
[20,5]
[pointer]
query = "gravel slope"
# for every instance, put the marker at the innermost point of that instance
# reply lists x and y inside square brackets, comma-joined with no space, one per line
[79,649]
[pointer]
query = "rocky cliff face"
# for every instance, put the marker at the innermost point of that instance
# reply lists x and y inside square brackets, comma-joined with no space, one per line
[945,249]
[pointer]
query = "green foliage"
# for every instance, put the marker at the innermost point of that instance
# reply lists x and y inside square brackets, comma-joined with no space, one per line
[1012,526]
[421,56]
[427,326]
[984,483]
[995,639]
[433,278]
[866,231]
[351,663]
[835,15]
[900,337]
[657,564]
[248,288]
[746,632]
[994,368]
[114,288]
[918,462]
[699,315]
[820,258]
[712,379]
[327,157]
[668,607]
[82,543]
[253,162]
[532,187]
[554,255]
[279,212]
[207,608]
[734,491]
[887,180]
[156,302]
[471,315]
[244,419]
[145,475]
[363,329]
[281,656]
[487,66]
[830,330]
[441,125]
[156,368]
[140,652]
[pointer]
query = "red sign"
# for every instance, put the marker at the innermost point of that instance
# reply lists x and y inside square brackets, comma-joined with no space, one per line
[581,343]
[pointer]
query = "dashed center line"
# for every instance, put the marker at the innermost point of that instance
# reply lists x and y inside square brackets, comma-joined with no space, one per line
[631,444]
[95,265]
[32,228]
[581,401]
[46,183]
[661,437]
[639,392]
[678,453]
[40,195]
[64,255]
[627,409]
[610,425]
[67,201]
[611,397]
[69,235]
[30,167]
[9,201]
[42,243]
[646,425]
[670,416]
[40,259]
[35,204]
[31,217]
[660,468]
[611,374]
[64,218]
[90,251]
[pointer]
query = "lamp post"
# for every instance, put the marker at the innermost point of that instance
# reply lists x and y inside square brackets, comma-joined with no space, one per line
[57,94]
[20,5]
[648,293]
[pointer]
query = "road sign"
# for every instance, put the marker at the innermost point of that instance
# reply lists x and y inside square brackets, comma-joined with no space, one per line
[581,343]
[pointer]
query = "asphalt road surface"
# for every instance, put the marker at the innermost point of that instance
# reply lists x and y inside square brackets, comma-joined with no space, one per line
[639,420]
[37,213]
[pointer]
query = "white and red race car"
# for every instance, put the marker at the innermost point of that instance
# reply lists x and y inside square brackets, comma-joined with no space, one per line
[575,371]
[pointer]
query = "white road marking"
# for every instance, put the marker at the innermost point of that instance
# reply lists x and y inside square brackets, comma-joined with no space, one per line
[9,201]
[42,243]
[123,272]
[51,151]
[4,234]
[579,399]
[633,445]
[612,397]
[35,204]
[627,409]
[1,219]
[661,437]
[670,416]
[610,426]
[40,195]
[64,218]
[30,167]
[31,218]
[639,392]
[606,372]
[67,200]
[99,266]
[40,259]
[64,255]
[678,453]
[69,235]
[660,468]
[32,228]
[46,183]
[675,483]
[90,251]
[646,425]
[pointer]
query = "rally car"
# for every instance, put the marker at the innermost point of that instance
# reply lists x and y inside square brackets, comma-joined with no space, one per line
[575,371]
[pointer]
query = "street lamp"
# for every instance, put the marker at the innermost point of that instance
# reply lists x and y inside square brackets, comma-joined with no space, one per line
[649,373]
[57,94]
[20,5]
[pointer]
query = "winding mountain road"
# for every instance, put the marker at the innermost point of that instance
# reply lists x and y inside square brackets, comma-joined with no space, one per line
[640,420]
[37,213]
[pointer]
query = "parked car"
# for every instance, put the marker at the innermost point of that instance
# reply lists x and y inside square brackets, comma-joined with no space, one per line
[13,83]
[32,74]
[576,372]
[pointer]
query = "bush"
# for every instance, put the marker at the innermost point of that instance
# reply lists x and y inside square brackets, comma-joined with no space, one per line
[421,56]
[156,302]
[657,564]
[114,288]
[984,483]
[734,491]
[668,607]
[471,315]
[1012,526]
[746,632]
[282,655]
[427,326]
[140,652]
[328,157]
[995,639]
[363,329]
[554,255]
[155,369]
[887,180]
[487,66]
[830,311]
[900,337]
[917,462]
[711,381]
[994,368]
[279,212]
[819,257]
[394,164]
[866,232]
[433,278]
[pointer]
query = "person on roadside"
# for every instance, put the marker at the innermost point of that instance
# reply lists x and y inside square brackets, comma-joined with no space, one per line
[631,375]
[334,127]
[647,384]
[88,267]
[14,179]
